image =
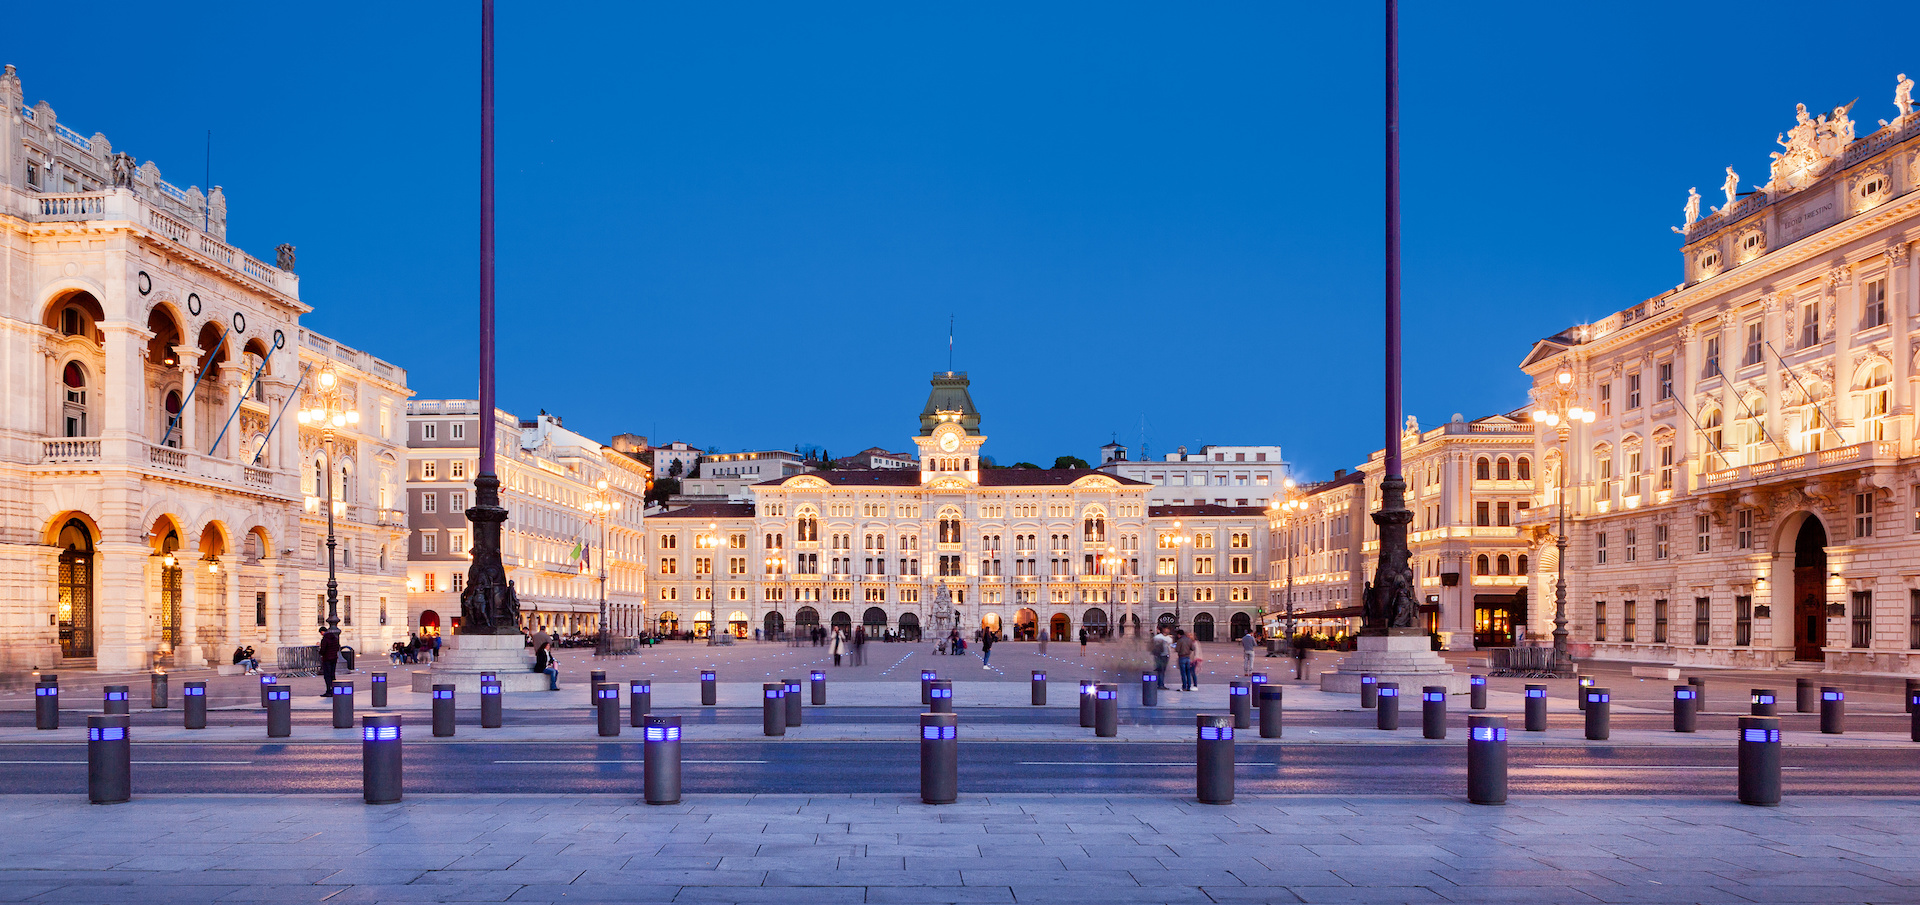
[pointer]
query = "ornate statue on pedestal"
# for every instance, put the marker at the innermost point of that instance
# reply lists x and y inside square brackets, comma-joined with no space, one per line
[489,605]
[122,171]
[1389,603]
[1693,205]
[1731,187]
[1903,94]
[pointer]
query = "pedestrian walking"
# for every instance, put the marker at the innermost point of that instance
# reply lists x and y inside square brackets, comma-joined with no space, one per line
[329,659]
[986,650]
[1247,644]
[1162,647]
[836,647]
[1044,632]
[1083,643]
[860,646]
[1184,648]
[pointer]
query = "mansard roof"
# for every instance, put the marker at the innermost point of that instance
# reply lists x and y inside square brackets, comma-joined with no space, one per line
[708,511]
[1204,510]
[991,477]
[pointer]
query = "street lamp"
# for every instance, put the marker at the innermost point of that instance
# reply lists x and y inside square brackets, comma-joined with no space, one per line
[1177,540]
[711,541]
[1284,511]
[777,565]
[1110,564]
[1561,413]
[603,504]
[330,415]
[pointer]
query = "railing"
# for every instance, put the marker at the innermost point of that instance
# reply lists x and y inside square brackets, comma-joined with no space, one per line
[167,458]
[171,228]
[220,251]
[69,450]
[171,191]
[390,517]
[88,206]
[27,112]
[254,475]
[1893,134]
[71,137]
[1872,449]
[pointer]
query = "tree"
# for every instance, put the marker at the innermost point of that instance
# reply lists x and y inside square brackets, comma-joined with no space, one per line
[1069,462]
[662,489]
[1025,465]
[673,471]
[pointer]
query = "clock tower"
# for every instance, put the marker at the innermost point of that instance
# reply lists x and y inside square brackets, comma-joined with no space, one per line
[950,438]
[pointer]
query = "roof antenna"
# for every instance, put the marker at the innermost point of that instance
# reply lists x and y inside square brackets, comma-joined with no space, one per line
[949,343]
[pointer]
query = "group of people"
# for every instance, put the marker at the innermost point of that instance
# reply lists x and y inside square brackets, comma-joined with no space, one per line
[851,646]
[244,656]
[414,648]
[1169,644]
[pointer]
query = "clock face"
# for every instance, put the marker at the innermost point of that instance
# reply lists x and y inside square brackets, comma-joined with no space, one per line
[949,442]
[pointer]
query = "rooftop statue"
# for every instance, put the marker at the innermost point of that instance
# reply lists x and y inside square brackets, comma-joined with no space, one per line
[1731,187]
[1903,94]
[1812,143]
[1693,205]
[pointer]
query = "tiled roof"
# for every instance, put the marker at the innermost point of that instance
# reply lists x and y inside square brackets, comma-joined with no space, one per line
[708,511]
[1204,510]
[991,477]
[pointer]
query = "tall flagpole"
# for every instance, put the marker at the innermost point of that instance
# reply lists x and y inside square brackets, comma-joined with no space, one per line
[1395,608]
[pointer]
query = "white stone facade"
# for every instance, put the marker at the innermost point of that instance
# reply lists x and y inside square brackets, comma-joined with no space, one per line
[1216,475]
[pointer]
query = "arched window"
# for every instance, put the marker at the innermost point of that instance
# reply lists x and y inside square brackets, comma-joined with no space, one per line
[75,607]
[1875,389]
[1502,564]
[949,526]
[1712,424]
[1482,470]
[1480,565]
[1524,469]
[1094,528]
[172,405]
[1502,469]
[808,527]
[1523,564]
[73,406]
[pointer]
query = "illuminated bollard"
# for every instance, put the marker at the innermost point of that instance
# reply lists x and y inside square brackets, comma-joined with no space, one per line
[279,712]
[1536,708]
[818,681]
[1764,702]
[639,702]
[114,700]
[939,758]
[1039,689]
[1149,689]
[377,689]
[46,706]
[1388,706]
[792,701]
[661,755]
[1477,692]
[1213,758]
[594,680]
[1086,703]
[491,715]
[443,711]
[1833,710]
[1599,713]
[193,704]
[1240,704]
[1487,759]
[942,696]
[1686,708]
[709,695]
[157,690]
[267,681]
[1369,691]
[1272,701]
[1913,695]
[1699,692]
[343,705]
[1913,710]
[1255,682]
[1760,760]
[1580,691]
[380,769]
[926,686]
[773,708]
[1806,696]
[109,759]
[606,698]
[1433,711]
[1106,710]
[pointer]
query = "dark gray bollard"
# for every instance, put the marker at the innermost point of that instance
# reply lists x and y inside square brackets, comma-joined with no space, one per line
[606,696]
[51,678]
[661,755]
[193,704]
[1039,689]
[1213,758]
[377,689]
[926,686]
[941,693]
[939,758]
[1764,702]
[1477,692]
[792,701]
[157,690]
[279,712]
[343,705]
[1686,708]
[267,681]
[1086,703]
[1240,704]
[1272,702]
[1388,706]
[1369,691]
[1599,713]
[639,702]
[1833,710]
[109,759]
[1913,709]
[114,700]
[1487,759]
[443,711]
[491,706]
[1913,695]
[594,680]
[1433,711]
[46,705]
[1580,687]
[1255,682]
[1536,708]
[709,695]
[1106,710]
[1149,689]
[818,681]
[773,708]
[1806,696]
[1760,760]
[380,767]
[1699,692]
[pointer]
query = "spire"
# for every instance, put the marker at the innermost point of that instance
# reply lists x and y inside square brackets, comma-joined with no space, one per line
[949,396]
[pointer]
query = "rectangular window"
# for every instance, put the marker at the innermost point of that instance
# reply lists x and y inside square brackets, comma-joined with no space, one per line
[1505,511]
[1863,514]
[1599,620]
[1164,566]
[1629,621]
[429,582]
[1873,304]
[429,542]
[1633,392]
[1659,622]
[702,565]
[669,565]
[1756,343]
[1203,565]
[429,431]
[1702,620]
[459,430]
[1712,356]
[1743,620]
[456,542]
[1666,466]
[456,502]
[1600,548]
[1630,542]
[429,470]
[1481,515]
[1241,565]
[1863,619]
[459,582]
[259,608]
[429,502]
[457,469]
[1666,380]
[1810,324]
[1606,398]
[1743,529]
[1633,473]
[1702,533]
[1660,542]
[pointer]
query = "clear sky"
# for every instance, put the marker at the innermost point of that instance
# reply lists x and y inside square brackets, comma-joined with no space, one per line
[746,225]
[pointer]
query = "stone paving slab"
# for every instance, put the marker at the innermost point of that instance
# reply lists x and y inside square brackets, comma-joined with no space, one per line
[886,848]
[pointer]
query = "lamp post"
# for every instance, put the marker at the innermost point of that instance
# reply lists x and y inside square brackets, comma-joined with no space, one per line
[1177,541]
[711,542]
[1561,413]
[603,504]
[330,415]
[1110,564]
[1285,510]
[777,567]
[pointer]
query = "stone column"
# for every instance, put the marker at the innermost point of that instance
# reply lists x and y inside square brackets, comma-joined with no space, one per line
[1843,319]
[189,358]
[1687,450]
[121,586]
[124,385]
[187,652]
[230,583]
[1900,275]
[1775,328]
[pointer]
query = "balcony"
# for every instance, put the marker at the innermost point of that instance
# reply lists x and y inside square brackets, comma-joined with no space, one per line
[137,454]
[124,206]
[1837,459]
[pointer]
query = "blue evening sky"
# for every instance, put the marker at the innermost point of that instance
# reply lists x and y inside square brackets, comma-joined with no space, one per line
[746,225]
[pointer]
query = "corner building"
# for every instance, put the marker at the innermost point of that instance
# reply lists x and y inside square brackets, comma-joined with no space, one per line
[1748,493]
[951,544]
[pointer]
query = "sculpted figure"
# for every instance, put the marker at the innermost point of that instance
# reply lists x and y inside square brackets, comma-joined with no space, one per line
[1693,205]
[1903,94]
[1732,186]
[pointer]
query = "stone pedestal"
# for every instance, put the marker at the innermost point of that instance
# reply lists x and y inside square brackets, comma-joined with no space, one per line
[1408,659]
[464,657]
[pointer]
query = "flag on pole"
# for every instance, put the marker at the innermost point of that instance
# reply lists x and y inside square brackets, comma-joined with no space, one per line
[578,555]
